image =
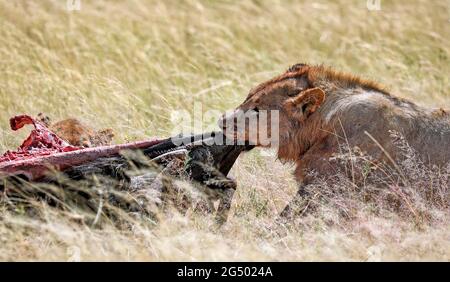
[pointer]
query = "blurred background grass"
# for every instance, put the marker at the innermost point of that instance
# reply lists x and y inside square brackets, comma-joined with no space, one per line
[129,64]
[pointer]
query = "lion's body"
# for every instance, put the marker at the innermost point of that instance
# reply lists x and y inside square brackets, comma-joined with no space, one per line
[366,119]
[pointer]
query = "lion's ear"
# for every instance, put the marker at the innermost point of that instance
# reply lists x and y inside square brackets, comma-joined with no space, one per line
[309,100]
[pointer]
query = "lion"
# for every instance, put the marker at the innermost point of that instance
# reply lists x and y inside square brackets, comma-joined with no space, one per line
[319,109]
[77,133]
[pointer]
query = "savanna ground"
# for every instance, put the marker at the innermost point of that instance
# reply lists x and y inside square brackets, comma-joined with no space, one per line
[130,65]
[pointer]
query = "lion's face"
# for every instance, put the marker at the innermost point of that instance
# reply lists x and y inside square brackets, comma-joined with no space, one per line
[272,111]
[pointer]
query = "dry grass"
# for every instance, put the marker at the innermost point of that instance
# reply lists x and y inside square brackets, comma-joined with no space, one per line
[129,64]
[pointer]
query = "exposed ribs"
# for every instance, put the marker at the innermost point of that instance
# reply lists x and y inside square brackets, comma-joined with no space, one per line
[43,150]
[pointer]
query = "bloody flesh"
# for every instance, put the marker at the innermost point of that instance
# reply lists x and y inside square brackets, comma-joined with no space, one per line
[41,141]
[43,150]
